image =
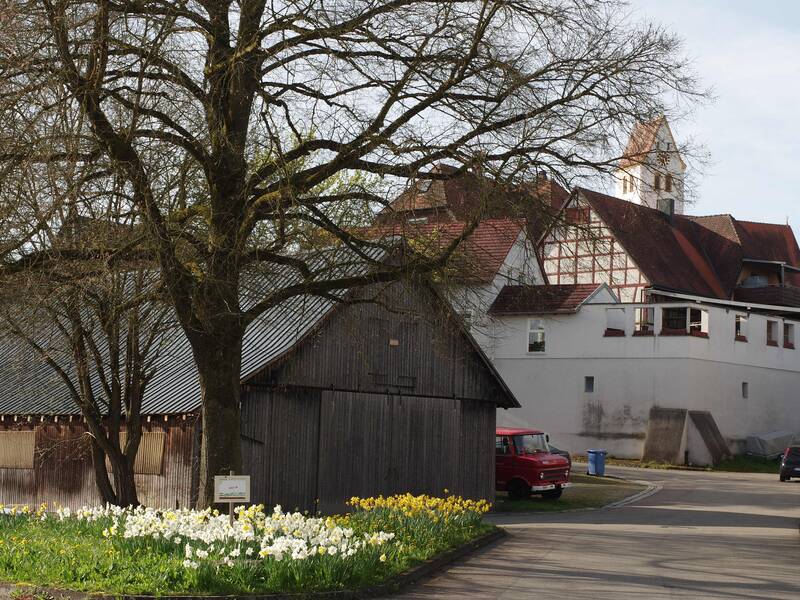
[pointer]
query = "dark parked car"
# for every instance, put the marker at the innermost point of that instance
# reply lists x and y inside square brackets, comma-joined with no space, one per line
[790,463]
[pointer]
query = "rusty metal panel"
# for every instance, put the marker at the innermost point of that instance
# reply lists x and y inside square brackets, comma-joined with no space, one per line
[150,456]
[17,449]
[63,473]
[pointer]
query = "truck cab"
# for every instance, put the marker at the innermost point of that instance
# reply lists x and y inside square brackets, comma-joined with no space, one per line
[524,464]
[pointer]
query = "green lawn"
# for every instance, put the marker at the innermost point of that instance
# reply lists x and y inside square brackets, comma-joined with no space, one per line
[586,492]
[738,464]
[749,464]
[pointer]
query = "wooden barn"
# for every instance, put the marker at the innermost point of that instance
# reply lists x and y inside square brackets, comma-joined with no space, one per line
[338,399]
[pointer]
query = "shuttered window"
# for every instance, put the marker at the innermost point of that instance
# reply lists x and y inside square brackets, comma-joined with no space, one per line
[17,449]
[150,457]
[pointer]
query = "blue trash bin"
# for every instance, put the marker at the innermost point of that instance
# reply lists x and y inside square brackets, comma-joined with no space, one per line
[597,462]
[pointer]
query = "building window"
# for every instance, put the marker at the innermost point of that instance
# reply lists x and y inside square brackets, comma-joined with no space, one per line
[645,324]
[417,220]
[698,322]
[756,281]
[745,389]
[535,335]
[673,321]
[625,185]
[501,446]
[657,182]
[740,332]
[615,322]
[588,384]
[668,184]
[17,449]
[788,336]
[772,333]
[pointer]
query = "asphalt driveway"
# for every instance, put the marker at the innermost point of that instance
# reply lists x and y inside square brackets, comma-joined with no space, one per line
[703,535]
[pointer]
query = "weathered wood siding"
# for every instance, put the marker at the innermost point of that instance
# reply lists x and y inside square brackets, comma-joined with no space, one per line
[63,473]
[408,344]
[313,450]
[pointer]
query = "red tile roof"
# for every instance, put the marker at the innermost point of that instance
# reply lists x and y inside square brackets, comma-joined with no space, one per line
[641,142]
[480,255]
[667,250]
[461,196]
[542,299]
[699,255]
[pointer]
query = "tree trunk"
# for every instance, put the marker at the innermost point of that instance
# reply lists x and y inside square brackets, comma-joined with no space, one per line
[123,493]
[220,447]
[107,494]
[124,482]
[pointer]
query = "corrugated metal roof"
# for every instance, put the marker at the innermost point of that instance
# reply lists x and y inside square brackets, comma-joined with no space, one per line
[28,386]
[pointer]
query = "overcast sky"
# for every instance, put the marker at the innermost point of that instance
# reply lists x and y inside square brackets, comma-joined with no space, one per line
[748,51]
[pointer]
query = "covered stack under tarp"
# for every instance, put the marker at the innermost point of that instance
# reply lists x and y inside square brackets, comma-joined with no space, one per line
[772,444]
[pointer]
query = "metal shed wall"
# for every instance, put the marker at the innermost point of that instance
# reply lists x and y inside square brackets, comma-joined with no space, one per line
[63,473]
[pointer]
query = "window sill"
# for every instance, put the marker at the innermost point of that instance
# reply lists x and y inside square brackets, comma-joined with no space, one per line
[644,333]
[614,333]
[774,344]
[740,338]
[674,332]
[699,334]
[789,346]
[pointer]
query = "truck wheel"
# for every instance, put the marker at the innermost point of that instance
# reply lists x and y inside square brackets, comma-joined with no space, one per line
[553,494]
[784,478]
[517,490]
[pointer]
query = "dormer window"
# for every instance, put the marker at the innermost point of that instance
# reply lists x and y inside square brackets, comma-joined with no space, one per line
[657,184]
[668,184]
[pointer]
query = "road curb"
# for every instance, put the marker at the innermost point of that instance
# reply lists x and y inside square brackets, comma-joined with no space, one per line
[393,585]
[652,488]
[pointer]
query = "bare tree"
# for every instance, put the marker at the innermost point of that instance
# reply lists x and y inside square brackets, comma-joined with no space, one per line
[100,330]
[246,130]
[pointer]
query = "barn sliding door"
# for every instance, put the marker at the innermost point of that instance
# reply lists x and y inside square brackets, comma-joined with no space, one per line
[374,444]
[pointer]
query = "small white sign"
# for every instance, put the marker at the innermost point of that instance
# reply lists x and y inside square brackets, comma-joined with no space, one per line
[232,488]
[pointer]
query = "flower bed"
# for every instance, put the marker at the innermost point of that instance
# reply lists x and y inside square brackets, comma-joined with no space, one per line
[144,550]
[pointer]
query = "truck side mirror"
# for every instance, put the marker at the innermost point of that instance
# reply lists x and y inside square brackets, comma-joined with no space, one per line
[547,437]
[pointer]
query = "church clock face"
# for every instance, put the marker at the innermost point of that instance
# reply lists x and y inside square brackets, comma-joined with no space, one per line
[663,158]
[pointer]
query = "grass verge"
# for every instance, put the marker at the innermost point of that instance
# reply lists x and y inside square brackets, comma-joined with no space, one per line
[737,464]
[585,492]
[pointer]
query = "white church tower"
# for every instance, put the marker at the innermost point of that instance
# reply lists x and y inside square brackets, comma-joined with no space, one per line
[652,170]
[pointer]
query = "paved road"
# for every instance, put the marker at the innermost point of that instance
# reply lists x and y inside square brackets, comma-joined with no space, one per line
[704,535]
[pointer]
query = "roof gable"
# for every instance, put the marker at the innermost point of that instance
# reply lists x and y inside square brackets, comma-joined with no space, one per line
[481,255]
[641,145]
[462,195]
[666,250]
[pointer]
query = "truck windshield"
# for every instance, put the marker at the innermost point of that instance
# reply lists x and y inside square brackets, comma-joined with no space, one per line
[530,443]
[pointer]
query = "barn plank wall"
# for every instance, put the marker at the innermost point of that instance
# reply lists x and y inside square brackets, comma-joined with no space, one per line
[408,348]
[317,449]
[63,473]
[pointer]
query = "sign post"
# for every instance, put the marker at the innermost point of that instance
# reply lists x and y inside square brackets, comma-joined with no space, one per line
[231,489]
